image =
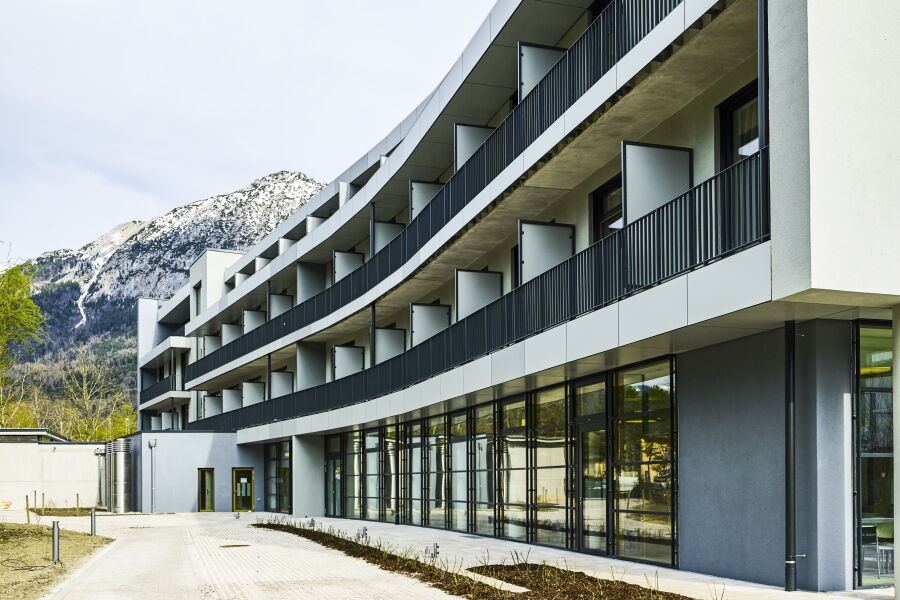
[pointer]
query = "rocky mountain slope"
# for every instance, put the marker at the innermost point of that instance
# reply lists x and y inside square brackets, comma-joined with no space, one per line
[89,294]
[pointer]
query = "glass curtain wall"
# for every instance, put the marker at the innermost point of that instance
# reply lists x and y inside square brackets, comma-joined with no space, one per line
[389,479]
[352,478]
[485,474]
[643,464]
[333,470]
[278,477]
[588,465]
[551,479]
[513,470]
[875,463]
[437,463]
[459,471]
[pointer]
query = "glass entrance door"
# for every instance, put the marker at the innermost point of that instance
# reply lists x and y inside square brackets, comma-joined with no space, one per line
[206,490]
[592,450]
[242,494]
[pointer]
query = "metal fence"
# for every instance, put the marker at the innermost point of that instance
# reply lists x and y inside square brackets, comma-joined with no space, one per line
[718,217]
[612,34]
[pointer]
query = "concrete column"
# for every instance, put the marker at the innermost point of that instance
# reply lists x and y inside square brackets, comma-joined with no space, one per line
[308,475]
[895,383]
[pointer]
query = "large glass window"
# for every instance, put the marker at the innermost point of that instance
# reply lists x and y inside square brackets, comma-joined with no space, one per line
[333,472]
[643,463]
[389,477]
[875,463]
[278,477]
[551,480]
[459,472]
[739,125]
[436,446]
[607,208]
[587,465]
[352,477]
[485,482]
[590,411]
[513,470]
[372,475]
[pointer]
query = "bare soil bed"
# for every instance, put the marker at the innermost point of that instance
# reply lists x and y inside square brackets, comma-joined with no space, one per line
[26,568]
[543,582]
[64,512]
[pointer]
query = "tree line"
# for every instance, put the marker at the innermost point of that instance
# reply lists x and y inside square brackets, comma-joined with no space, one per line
[79,399]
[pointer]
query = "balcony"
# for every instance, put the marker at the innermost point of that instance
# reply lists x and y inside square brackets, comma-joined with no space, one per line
[723,215]
[610,37]
[157,389]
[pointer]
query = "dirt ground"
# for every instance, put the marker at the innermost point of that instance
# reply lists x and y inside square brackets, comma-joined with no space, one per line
[25,549]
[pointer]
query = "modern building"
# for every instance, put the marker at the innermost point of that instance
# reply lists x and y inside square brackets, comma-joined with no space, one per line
[621,284]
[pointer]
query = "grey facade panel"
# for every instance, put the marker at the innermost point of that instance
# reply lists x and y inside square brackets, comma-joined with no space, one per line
[730,401]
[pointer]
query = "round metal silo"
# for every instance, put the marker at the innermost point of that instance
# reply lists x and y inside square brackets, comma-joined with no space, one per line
[118,469]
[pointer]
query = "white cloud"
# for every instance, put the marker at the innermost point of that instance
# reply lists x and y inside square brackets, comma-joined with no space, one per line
[115,111]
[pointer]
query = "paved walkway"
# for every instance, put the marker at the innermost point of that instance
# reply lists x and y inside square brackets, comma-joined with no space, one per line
[187,556]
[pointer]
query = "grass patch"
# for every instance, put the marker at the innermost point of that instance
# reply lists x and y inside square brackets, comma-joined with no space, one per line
[26,570]
[542,581]
[64,512]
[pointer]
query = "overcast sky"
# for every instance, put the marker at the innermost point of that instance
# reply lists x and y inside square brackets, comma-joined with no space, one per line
[113,111]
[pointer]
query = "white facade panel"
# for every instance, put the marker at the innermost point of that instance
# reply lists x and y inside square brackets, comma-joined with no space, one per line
[652,176]
[231,400]
[475,290]
[279,303]
[347,360]
[253,319]
[345,263]
[542,246]
[282,383]
[231,332]
[466,140]
[383,233]
[425,320]
[534,62]
[389,343]
[420,194]
[253,392]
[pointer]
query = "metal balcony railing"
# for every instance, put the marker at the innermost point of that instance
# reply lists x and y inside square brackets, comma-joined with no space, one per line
[725,214]
[613,33]
[162,386]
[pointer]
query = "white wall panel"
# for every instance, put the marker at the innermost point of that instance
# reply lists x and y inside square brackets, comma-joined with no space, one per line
[231,400]
[345,263]
[534,62]
[231,332]
[420,194]
[425,320]
[542,246]
[311,367]
[310,280]
[383,233]
[211,343]
[212,406]
[253,319]
[253,392]
[279,303]
[348,360]
[282,383]
[466,140]
[475,290]
[652,176]
[389,342]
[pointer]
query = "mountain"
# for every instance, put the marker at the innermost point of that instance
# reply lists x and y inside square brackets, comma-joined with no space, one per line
[89,294]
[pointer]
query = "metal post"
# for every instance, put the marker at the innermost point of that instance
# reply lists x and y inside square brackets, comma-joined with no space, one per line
[895,339]
[43,503]
[93,521]
[790,467]
[152,445]
[56,541]
[27,510]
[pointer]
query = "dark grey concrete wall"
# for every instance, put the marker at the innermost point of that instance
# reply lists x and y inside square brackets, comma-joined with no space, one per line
[731,457]
[730,401]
